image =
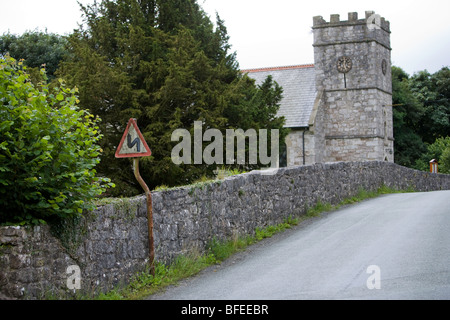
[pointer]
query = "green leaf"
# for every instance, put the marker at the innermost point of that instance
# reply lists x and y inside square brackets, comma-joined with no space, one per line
[31,180]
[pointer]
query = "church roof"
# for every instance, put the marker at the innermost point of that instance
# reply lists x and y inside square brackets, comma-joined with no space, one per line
[299,91]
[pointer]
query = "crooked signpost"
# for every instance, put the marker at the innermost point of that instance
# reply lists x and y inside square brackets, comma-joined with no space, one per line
[133,145]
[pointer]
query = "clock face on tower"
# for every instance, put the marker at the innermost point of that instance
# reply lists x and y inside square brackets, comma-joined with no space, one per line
[344,64]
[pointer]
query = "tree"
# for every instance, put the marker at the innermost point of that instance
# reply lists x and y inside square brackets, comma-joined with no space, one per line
[407,114]
[48,150]
[163,63]
[36,48]
[421,116]
[432,90]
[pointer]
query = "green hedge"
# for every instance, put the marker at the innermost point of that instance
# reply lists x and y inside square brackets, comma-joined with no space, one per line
[48,150]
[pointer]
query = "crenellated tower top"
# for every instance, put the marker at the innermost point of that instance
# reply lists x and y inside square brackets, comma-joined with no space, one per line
[372,20]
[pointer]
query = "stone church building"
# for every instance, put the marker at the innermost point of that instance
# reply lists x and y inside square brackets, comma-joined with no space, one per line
[339,108]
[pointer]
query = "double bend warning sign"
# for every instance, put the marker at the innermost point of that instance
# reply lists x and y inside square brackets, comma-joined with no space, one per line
[132,144]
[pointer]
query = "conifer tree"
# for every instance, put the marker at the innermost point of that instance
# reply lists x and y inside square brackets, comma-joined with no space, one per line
[164,63]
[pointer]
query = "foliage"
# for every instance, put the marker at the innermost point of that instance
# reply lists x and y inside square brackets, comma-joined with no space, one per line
[439,150]
[165,64]
[48,150]
[36,49]
[407,112]
[272,230]
[318,208]
[421,115]
[433,91]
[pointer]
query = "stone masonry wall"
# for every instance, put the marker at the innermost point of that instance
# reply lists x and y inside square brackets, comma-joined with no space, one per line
[357,105]
[110,245]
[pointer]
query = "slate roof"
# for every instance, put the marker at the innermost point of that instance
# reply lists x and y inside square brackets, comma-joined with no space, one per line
[299,91]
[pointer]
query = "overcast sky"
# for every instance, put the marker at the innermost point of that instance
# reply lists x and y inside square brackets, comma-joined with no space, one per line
[267,33]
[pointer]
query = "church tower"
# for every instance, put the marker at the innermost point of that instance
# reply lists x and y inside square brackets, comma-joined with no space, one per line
[352,60]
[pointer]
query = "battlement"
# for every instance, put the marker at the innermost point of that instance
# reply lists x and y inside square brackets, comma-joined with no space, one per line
[371,18]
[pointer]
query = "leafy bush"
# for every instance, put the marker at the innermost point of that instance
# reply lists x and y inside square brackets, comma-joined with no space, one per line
[48,150]
[439,150]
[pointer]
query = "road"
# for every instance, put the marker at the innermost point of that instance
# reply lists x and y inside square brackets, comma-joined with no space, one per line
[396,246]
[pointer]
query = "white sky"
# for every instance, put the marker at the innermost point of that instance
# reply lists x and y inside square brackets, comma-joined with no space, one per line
[267,33]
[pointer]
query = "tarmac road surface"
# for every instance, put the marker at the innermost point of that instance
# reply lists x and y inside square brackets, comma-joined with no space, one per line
[393,247]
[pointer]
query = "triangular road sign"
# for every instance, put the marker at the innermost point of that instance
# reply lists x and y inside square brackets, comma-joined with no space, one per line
[133,143]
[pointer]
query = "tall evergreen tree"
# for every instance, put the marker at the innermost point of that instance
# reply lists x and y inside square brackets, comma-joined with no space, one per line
[164,63]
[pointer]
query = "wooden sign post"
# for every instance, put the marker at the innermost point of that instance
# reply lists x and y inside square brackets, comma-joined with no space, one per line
[133,145]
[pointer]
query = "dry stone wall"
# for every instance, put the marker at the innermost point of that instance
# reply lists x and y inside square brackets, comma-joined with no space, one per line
[110,245]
